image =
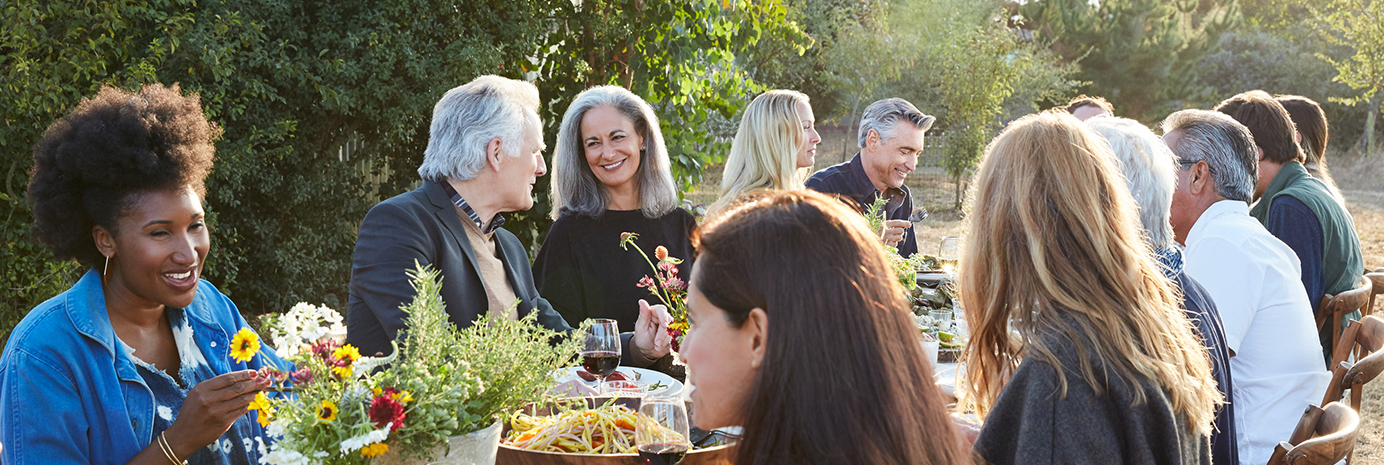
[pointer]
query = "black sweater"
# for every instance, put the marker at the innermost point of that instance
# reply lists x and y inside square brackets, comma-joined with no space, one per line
[1031,424]
[583,272]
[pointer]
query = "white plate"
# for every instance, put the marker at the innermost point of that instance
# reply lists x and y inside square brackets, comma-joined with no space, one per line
[640,376]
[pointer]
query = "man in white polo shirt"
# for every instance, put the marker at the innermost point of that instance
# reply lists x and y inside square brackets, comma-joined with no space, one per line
[1254,279]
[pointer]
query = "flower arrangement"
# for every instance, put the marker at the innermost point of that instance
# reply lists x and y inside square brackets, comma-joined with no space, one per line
[666,285]
[439,382]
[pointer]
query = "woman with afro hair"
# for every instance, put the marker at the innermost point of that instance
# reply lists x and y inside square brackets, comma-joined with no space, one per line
[132,364]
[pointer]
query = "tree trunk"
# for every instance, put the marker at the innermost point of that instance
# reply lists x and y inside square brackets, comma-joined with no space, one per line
[1367,141]
[850,123]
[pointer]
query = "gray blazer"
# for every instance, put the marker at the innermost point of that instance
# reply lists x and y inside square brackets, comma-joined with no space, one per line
[423,225]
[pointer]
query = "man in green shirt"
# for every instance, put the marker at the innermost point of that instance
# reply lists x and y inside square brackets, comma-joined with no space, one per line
[1296,207]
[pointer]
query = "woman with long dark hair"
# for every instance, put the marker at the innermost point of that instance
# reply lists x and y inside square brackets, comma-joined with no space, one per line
[801,335]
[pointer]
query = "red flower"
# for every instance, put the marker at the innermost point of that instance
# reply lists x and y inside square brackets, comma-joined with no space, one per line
[384,409]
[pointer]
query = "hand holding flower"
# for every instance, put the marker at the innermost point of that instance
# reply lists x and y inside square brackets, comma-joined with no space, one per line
[650,337]
[210,409]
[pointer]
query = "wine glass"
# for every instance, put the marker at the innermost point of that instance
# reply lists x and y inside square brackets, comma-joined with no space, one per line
[660,432]
[948,252]
[600,353]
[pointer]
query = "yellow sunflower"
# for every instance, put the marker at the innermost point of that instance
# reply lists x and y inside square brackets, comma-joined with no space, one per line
[261,405]
[245,345]
[374,449]
[346,352]
[327,411]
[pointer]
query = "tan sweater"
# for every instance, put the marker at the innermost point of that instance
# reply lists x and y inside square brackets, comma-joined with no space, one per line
[498,291]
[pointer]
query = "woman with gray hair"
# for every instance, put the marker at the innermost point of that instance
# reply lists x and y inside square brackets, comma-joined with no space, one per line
[611,175]
[1149,168]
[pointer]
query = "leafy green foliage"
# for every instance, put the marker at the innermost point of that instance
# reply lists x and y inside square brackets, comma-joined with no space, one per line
[1139,54]
[325,106]
[1359,24]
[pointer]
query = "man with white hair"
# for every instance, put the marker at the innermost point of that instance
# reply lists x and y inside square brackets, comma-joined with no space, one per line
[1253,277]
[1149,167]
[485,151]
[891,137]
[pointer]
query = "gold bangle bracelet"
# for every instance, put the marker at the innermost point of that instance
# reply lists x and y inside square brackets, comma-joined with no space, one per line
[168,450]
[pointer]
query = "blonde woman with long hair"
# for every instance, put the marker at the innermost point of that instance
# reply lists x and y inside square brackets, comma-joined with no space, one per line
[776,144]
[1079,352]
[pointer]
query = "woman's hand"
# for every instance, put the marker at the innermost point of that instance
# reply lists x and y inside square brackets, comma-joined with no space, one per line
[651,336]
[210,409]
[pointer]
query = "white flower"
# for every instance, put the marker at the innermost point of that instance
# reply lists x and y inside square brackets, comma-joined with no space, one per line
[376,436]
[276,428]
[283,456]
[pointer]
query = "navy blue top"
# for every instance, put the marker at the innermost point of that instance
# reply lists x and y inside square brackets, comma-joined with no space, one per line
[1199,307]
[850,181]
[1295,224]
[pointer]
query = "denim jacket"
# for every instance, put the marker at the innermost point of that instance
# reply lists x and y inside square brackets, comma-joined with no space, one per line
[70,394]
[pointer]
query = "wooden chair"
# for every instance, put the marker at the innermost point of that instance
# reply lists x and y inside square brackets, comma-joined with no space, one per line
[1323,437]
[1360,338]
[1377,281]
[1335,307]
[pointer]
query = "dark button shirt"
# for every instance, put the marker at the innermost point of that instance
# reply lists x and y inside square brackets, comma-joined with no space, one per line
[850,181]
[1296,225]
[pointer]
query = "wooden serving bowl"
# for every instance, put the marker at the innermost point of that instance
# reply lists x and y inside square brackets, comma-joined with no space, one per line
[510,455]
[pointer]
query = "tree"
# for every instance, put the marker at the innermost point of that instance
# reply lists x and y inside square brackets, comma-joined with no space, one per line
[1359,24]
[1139,54]
[975,71]
[299,84]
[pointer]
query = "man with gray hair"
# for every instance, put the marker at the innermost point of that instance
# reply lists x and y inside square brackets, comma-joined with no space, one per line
[485,151]
[1149,168]
[1253,278]
[891,137]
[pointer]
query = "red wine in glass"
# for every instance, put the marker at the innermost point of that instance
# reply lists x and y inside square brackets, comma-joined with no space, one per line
[662,454]
[600,363]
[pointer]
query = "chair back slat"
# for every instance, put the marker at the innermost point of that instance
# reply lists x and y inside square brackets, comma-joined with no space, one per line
[1334,389]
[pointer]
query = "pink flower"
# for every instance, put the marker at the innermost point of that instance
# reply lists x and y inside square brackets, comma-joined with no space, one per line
[668,267]
[301,376]
[674,283]
[646,282]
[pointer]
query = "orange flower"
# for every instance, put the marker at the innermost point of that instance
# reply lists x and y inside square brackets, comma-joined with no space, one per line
[661,253]
[374,449]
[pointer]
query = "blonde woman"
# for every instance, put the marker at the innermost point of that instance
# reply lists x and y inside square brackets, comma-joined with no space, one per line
[776,143]
[1079,352]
